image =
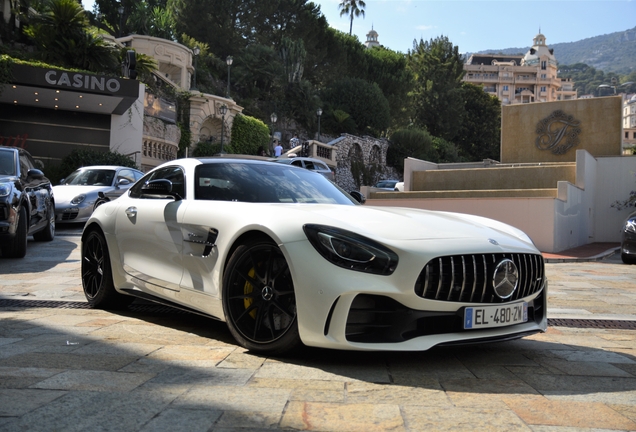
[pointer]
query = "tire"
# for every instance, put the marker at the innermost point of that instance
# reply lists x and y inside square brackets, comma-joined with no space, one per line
[48,233]
[259,300]
[17,247]
[97,275]
[628,259]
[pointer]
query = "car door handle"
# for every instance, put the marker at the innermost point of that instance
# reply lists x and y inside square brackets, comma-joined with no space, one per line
[131,212]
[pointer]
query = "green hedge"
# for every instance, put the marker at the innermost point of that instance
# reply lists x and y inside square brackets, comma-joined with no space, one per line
[248,134]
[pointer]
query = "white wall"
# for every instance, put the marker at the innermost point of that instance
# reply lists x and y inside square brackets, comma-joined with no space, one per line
[581,214]
[126,130]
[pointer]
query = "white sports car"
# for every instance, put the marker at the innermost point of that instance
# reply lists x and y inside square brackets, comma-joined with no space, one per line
[287,258]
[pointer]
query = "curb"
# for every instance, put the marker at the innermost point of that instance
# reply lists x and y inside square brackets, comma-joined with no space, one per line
[597,257]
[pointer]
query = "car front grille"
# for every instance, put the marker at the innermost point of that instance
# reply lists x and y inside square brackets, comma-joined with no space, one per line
[70,215]
[469,278]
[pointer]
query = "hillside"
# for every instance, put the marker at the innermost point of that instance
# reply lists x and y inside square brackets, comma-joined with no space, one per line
[614,52]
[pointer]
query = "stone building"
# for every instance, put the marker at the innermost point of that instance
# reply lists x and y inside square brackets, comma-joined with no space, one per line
[518,79]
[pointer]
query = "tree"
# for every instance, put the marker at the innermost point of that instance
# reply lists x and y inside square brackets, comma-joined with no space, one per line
[408,142]
[363,101]
[62,37]
[438,68]
[352,8]
[480,131]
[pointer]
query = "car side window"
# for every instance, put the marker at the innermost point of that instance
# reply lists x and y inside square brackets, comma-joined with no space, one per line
[309,165]
[126,174]
[25,165]
[172,173]
[321,166]
[297,163]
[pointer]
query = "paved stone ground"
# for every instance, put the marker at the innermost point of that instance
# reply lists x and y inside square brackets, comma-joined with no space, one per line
[81,369]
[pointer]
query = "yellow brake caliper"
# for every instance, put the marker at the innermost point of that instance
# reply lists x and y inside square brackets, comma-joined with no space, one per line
[247,289]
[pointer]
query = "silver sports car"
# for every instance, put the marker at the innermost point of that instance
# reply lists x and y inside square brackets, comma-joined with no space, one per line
[77,195]
[285,258]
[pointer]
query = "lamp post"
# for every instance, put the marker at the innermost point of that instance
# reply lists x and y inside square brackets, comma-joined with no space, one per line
[319,113]
[614,85]
[120,9]
[196,51]
[273,118]
[223,110]
[229,61]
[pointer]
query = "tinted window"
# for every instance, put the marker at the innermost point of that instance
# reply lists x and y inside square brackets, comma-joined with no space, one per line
[7,162]
[91,177]
[172,173]
[264,183]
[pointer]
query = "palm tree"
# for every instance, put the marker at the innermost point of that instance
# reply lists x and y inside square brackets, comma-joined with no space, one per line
[352,8]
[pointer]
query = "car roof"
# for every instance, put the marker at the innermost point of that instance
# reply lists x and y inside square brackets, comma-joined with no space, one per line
[110,167]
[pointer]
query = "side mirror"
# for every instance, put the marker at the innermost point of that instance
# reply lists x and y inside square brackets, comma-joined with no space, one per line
[123,182]
[35,173]
[160,188]
[358,196]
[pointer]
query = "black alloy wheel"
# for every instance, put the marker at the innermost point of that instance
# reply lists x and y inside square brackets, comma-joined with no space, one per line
[97,276]
[17,247]
[259,300]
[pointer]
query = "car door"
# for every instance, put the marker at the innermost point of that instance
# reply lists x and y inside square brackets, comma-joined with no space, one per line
[37,189]
[148,233]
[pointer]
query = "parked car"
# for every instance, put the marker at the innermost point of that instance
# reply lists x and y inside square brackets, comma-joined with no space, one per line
[285,258]
[628,240]
[399,187]
[78,194]
[27,206]
[311,164]
[386,184]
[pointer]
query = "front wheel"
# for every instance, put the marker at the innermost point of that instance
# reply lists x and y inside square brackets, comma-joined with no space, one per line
[17,247]
[97,275]
[259,300]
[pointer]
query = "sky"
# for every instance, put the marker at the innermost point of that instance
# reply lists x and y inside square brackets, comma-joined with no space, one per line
[478,25]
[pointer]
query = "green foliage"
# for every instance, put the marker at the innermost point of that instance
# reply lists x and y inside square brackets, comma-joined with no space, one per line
[81,158]
[444,151]
[248,134]
[479,135]
[352,8]
[409,142]
[63,37]
[363,101]
[587,80]
[206,148]
[438,68]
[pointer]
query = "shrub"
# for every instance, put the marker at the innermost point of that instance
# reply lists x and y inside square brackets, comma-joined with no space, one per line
[248,134]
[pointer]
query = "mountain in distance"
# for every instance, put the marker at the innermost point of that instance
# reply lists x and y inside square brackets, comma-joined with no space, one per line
[613,52]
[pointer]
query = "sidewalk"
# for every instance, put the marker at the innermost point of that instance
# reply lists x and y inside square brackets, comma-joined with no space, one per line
[588,252]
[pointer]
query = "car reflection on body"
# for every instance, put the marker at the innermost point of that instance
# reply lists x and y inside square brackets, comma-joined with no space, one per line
[628,240]
[286,258]
[77,194]
[26,202]
[311,164]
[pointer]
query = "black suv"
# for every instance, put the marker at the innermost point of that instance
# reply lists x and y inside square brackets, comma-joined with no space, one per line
[26,203]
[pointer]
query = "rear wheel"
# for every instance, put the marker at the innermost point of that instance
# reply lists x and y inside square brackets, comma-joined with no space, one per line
[48,233]
[628,259]
[17,247]
[97,276]
[259,300]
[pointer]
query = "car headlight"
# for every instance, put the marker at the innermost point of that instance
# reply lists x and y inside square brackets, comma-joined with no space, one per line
[630,226]
[78,199]
[5,189]
[350,250]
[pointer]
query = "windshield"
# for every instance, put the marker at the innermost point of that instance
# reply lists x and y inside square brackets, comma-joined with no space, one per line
[7,163]
[90,177]
[273,183]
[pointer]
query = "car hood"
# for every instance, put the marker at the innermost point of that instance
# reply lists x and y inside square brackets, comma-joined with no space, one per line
[65,193]
[401,224]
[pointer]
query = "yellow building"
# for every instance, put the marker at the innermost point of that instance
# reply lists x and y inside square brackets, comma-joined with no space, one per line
[518,79]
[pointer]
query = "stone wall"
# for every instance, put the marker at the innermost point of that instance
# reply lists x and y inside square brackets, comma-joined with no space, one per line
[372,152]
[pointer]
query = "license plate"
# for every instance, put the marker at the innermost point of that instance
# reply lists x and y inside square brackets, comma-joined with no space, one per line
[495,316]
